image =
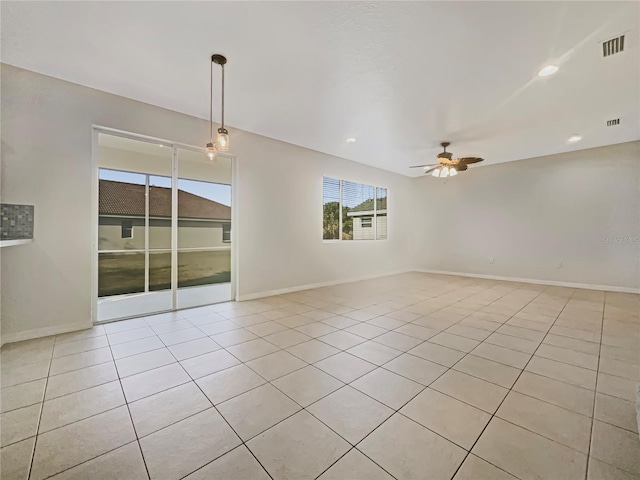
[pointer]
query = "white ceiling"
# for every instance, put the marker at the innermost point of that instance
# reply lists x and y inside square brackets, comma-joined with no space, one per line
[398,76]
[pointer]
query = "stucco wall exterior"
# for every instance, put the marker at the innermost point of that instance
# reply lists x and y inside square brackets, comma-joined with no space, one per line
[191,234]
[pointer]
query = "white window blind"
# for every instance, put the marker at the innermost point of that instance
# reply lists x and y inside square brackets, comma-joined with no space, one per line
[331,217]
[381,213]
[353,211]
[357,201]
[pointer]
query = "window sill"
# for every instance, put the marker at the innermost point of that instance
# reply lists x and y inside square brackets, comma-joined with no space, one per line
[355,241]
[11,243]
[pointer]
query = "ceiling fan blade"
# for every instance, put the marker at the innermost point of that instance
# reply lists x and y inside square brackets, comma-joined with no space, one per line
[469,160]
[422,166]
[431,169]
[461,167]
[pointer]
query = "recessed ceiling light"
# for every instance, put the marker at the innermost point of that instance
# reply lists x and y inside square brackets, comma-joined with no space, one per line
[351,140]
[575,138]
[548,70]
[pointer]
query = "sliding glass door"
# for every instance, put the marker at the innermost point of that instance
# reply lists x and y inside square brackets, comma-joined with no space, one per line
[164,228]
[204,229]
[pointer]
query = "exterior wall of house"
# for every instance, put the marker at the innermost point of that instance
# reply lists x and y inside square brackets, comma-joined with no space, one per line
[382,226]
[191,234]
[367,232]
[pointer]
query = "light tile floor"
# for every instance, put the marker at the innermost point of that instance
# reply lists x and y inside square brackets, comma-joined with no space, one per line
[411,376]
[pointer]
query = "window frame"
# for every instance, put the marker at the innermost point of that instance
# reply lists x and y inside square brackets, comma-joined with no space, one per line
[373,216]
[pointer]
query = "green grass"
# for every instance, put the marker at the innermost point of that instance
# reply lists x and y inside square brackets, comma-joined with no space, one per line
[122,273]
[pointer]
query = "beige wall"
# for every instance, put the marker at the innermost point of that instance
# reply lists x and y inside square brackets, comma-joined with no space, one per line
[46,161]
[531,214]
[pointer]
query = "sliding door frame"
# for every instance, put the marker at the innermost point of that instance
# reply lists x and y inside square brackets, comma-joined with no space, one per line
[96,131]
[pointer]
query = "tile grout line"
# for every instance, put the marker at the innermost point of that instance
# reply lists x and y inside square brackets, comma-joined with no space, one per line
[595,391]
[226,453]
[397,411]
[488,381]
[93,458]
[124,396]
[470,353]
[37,434]
[378,366]
[341,351]
[305,408]
[243,443]
[509,391]
[401,352]
[354,380]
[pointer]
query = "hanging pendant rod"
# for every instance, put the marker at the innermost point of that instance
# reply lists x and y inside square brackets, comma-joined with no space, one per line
[222,140]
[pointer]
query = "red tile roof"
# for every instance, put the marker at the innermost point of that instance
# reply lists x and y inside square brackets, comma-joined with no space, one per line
[120,198]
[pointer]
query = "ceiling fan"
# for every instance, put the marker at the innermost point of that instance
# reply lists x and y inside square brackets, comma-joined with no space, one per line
[447,166]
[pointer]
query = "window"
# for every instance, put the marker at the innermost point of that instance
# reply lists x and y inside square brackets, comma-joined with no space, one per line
[353,211]
[204,231]
[381,213]
[330,209]
[127,229]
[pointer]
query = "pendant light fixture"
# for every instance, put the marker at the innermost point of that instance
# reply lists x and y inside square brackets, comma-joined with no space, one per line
[222,139]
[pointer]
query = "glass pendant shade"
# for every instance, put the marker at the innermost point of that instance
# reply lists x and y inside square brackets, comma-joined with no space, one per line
[445,172]
[436,172]
[452,172]
[223,140]
[211,151]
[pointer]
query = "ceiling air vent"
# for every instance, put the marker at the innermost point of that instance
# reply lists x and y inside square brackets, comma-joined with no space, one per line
[613,123]
[613,46]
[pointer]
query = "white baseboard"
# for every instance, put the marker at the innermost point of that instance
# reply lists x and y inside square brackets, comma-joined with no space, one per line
[299,288]
[72,327]
[42,332]
[586,286]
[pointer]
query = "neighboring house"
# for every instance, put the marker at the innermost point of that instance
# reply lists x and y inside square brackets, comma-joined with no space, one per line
[202,222]
[363,216]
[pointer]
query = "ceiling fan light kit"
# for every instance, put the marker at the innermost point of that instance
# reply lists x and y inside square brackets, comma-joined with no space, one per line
[448,166]
[444,172]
